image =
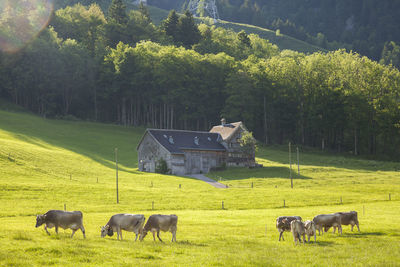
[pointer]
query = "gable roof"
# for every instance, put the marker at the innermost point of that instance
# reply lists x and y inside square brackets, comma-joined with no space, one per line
[227,130]
[176,141]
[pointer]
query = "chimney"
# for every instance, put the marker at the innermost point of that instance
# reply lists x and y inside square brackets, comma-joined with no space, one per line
[223,121]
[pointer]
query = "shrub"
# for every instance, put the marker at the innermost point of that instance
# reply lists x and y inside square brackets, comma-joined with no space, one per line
[162,166]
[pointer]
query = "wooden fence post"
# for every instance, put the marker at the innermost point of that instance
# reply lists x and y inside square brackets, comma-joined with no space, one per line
[290,163]
[223,205]
[65,207]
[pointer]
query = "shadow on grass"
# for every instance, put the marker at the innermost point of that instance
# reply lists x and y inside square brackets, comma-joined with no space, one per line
[363,234]
[94,140]
[321,243]
[315,157]
[192,244]
[259,173]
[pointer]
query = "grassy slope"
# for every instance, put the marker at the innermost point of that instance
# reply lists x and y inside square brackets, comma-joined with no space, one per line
[37,157]
[282,41]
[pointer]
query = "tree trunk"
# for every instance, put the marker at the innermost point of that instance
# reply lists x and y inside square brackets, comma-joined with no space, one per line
[172,117]
[355,142]
[265,121]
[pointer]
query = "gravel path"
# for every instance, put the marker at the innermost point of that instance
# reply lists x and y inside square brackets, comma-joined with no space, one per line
[207,180]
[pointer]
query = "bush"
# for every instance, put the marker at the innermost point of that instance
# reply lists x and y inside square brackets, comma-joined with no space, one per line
[162,166]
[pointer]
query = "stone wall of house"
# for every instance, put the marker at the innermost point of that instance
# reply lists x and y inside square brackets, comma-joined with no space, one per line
[150,152]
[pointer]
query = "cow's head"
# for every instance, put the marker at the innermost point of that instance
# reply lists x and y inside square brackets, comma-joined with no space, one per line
[143,234]
[106,230]
[309,225]
[283,224]
[40,219]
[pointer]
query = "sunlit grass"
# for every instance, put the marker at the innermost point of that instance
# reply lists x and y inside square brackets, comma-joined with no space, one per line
[45,164]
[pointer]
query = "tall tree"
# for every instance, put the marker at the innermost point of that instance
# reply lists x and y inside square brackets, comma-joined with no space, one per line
[188,32]
[170,25]
[117,12]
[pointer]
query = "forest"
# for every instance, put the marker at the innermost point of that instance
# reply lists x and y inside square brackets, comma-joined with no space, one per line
[117,66]
[369,27]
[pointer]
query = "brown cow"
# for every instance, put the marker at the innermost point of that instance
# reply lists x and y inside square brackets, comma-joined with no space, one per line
[310,230]
[63,219]
[347,218]
[298,230]
[157,222]
[283,224]
[128,222]
[325,221]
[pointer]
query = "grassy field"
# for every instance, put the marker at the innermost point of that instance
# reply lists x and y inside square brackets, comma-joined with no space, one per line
[45,164]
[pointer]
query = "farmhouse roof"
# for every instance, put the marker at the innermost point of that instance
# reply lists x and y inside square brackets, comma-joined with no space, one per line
[227,130]
[176,141]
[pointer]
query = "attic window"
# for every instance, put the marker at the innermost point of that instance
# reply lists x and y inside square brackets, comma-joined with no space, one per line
[171,140]
[209,139]
[196,140]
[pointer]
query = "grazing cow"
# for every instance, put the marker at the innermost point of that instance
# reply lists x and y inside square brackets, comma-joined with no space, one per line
[347,218]
[298,230]
[157,222]
[325,221]
[63,219]
[310,230]
[283,224]
[128,222]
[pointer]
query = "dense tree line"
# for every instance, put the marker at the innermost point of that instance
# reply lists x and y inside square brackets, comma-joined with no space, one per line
[121,68]
[359,25]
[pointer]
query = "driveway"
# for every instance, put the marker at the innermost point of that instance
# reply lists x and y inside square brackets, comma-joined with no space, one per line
[207,180]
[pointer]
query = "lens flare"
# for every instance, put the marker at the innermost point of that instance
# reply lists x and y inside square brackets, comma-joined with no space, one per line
[21,21]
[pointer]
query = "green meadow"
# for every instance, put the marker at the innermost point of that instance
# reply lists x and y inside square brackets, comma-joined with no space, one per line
[46,164]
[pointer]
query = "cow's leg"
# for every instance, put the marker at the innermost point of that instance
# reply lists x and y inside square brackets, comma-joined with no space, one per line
[358,227]
[83,231]
[154,236]
[173,232]
[304,238]
[173,236]
[315,237]
[120,233]
[295,238]
[73,232]
[45,228]
[136,233]
[308,238]
[158,235]
[340,229]
[56,229]
[281,236]
[334,229]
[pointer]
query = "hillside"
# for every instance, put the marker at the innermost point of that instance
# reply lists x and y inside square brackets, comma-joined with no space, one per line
[45,164]
[370,28]
[282,41]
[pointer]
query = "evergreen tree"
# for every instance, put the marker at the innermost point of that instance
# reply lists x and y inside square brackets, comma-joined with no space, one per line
[117,12]
[144,12]
[170,25]
[244,38]
[391,54]
[188,32]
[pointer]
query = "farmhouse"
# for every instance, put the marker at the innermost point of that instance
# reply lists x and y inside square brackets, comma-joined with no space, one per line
[187,152]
